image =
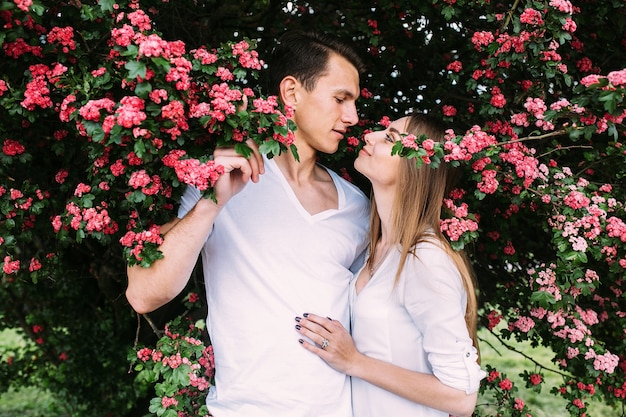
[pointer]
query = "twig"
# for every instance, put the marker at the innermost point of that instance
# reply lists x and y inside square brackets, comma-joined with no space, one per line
[566,148]
[509,15]
[152,325]
[514,349]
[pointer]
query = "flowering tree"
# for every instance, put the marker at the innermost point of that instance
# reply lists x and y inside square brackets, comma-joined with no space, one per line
[110,108]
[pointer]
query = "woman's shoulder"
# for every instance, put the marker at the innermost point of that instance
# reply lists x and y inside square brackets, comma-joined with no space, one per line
[430,261]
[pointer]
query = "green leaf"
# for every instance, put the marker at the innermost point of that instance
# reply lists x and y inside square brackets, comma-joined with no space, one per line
[136,69]
[270,147]
[143,89]
[543,298]
[107,5]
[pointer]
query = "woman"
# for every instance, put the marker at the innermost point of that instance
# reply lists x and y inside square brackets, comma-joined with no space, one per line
[413,304]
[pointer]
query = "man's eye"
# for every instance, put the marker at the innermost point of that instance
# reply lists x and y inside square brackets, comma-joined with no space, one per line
[340,100]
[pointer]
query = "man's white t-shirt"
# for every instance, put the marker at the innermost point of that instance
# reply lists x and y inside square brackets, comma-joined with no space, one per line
[267,261]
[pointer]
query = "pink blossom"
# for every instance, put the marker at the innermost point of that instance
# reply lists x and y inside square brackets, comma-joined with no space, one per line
[91,110]
[449,111]
[489,183]
[525,324]
[536,379]
[205,57]
[130,113]
[564,6]
[12,147]
[123,36]
[23,5]
[153,46]
[531,17]
[63,36]
[520,119]
[455,66]
[168,401]
[509,249]
[192,171]
[9,266]
[590,80]
[480,39]
[569,25]
[506,384]
[606,362]
[576,200]
[454,227]
[617,77]
[224,74]
[536,106]
[139,19]
[139,179]
[35,265]
[493,375]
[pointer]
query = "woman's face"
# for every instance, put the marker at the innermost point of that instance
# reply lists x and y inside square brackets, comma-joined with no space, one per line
[375,160]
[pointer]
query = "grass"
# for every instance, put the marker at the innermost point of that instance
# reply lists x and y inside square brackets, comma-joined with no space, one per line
[33,402]
[26,401]
[543,404]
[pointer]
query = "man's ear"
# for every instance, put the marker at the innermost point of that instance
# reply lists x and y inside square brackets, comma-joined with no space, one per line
[289,91]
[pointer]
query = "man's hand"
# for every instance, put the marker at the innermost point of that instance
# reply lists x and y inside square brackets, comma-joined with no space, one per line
[238,170]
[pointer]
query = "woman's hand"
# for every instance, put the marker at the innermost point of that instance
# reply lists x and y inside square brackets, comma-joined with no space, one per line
[332,342]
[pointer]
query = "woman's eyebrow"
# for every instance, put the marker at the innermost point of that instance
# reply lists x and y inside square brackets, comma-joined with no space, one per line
[395,131]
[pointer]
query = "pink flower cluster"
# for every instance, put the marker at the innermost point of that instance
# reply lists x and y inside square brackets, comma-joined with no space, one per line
[141,179]
[138,241]
[91,219]
[37,92]
[459,224]
[10,266]
[193,172]
[247,59]
[12,147]
[474,141]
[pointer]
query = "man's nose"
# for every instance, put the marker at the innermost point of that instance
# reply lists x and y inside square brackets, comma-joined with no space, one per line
[350,115]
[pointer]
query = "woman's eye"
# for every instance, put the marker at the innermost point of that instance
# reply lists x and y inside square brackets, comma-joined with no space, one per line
[388,138]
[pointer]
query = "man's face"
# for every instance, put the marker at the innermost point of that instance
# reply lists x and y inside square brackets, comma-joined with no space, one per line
[324,114]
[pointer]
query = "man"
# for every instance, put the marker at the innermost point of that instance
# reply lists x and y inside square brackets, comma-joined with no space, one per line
[274,246]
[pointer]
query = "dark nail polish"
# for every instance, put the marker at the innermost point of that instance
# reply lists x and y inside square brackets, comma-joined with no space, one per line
[300,341]
[306,314]
[298,318]
[329,318]
[298,326]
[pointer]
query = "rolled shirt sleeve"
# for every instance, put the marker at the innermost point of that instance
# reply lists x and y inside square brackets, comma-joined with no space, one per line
[432,292]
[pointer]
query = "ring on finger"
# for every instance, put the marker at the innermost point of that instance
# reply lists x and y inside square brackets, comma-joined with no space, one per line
[324,344]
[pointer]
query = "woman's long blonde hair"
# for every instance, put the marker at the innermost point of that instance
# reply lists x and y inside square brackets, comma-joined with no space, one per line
[416,213]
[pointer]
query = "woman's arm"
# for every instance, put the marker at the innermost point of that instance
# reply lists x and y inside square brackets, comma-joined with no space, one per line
[342,355]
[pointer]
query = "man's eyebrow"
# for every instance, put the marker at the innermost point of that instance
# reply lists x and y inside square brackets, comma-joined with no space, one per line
[345,92]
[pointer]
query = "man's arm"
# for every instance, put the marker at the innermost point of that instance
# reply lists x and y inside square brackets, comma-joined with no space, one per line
[152,287]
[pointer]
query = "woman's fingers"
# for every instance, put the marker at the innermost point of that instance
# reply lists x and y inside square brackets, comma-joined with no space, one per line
[313,331]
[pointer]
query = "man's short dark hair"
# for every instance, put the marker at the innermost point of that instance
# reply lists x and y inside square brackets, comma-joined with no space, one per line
[305,55]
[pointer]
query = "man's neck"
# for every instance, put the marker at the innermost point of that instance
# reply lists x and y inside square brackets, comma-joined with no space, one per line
[298,171]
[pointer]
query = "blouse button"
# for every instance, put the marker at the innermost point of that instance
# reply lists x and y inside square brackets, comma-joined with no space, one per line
[467,355]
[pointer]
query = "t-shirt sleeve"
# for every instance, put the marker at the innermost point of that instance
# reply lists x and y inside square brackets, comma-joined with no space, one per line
[189,199]
[434,296]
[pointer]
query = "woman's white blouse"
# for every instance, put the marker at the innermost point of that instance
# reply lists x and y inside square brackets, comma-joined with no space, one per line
[418,324]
